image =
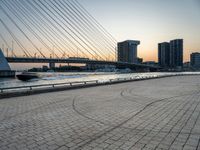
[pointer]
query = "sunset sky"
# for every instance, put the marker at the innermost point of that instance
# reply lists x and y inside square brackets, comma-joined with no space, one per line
[150,21]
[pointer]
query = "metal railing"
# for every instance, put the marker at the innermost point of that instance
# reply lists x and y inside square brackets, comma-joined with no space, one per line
[91,82]
[31,87]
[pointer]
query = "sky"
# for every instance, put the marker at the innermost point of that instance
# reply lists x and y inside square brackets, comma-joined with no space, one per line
[150,21]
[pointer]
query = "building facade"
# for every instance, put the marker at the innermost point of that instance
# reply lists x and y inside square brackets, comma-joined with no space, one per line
[163,54]
[127,51]
[176,53]
[195,60]
[170,55]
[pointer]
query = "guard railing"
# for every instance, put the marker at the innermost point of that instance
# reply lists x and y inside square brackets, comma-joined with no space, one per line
[91,82]
[31,87]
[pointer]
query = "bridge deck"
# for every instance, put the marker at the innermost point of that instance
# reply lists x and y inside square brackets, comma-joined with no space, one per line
[152,114]
[82,61]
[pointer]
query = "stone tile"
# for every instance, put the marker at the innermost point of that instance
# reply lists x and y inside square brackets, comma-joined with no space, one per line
[152,114]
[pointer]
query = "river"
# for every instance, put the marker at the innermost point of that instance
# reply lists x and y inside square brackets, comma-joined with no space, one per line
[52,78]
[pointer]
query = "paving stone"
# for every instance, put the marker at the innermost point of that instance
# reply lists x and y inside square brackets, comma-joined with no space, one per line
[152,114]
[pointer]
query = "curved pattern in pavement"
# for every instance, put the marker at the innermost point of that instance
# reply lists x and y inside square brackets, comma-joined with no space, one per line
[152,114]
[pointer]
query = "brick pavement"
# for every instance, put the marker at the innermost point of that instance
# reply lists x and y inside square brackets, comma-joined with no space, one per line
[158,114]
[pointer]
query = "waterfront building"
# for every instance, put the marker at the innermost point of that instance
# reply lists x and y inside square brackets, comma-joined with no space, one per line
[176,53]
[150,63]
[163,54]
[195,60]
[127,51]
[171,54]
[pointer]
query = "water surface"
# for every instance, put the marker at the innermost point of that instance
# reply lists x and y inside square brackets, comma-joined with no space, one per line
[52,78]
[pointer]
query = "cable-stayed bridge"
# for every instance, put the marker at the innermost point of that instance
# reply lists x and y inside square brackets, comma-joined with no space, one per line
[55,31]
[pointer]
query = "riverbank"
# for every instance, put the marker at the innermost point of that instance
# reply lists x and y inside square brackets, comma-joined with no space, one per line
[58,77]
[45,88]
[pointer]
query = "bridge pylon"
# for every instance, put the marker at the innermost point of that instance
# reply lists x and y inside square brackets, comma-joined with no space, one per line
[4,66]
[5,70]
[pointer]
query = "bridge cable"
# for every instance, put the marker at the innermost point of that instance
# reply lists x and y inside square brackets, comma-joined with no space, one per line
[83,34]
[88,23]
[79,21]
[62,28]
[60,38]
[27,26]
[97,28]
[75,27]
[41,28]
[74,32]
[21,30]
[4,40]
[15,39]
[52,23]
[79,26]
[94,20]
[33,24]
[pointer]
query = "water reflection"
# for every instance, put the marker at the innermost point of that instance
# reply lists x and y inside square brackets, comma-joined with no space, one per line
[52,78]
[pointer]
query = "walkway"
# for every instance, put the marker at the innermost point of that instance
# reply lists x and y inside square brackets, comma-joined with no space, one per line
[153,114]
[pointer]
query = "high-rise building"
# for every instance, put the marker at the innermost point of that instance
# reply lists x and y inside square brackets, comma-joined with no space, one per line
[195,60]
[171,54]
[163,54]
[176,53]
[127,51]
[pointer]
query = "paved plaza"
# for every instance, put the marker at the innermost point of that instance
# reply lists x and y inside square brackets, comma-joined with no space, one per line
[158,114]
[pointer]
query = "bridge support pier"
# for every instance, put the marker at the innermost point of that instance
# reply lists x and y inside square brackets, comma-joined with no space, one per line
[52,65]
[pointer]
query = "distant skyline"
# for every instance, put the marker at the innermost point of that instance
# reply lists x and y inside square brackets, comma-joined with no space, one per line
[151,22]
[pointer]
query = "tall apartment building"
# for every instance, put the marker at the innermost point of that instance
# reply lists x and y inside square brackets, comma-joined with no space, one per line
[163,54]
[195,60]
[127,51]
[176,53]
[171,54]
